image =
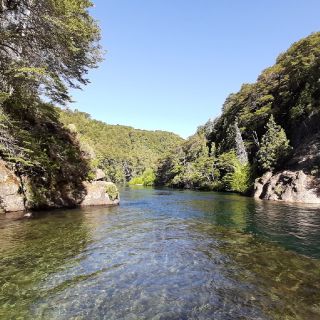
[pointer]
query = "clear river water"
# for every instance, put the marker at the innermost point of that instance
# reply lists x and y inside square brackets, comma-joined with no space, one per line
[163,254]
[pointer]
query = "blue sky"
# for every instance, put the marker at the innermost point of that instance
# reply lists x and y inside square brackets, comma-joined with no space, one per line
[170,64]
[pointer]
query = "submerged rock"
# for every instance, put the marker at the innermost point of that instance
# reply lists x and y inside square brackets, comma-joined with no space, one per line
[28,215]
[290,186]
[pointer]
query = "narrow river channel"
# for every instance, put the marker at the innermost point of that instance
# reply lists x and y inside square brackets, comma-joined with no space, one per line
[163,254]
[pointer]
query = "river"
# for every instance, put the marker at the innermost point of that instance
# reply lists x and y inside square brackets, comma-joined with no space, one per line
[163,254]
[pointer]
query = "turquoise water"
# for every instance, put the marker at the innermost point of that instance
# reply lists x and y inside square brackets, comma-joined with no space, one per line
[163,254]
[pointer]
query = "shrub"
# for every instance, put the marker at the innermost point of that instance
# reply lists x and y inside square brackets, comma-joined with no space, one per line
[112,191]
[147,178]
[236,176]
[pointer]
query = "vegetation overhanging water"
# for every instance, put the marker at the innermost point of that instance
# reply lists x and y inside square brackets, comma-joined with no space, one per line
[163,254]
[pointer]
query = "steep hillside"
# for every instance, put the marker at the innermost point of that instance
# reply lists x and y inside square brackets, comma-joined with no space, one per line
[267,126]
[289,90]
[42,163]
[121,152]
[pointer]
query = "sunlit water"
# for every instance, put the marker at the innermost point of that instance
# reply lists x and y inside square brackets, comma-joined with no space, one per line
[163,254]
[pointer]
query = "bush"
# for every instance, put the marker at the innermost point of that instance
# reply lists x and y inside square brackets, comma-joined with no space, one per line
[240,180]
[136,181]
[236,176]
[147,178]
[112,191]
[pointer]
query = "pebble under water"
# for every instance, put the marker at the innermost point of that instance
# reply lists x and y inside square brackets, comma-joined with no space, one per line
[163,254]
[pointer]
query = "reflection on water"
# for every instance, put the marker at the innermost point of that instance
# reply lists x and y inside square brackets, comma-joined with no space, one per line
[163,255]
[296,227]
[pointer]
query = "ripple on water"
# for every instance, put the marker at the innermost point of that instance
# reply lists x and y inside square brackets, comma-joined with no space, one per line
[163,255]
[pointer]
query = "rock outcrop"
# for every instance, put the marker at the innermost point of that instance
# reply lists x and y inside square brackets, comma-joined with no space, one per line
[99,175]
[11,197]
[290,186]
[97,194]
[299,180]
[16,194]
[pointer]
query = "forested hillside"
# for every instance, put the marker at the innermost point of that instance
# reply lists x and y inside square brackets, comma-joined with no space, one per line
[122,152]
[46,47]
[266,126]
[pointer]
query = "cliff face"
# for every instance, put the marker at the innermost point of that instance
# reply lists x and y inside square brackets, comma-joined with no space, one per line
[16,194]
[298,181]
[289,186]
[11,199]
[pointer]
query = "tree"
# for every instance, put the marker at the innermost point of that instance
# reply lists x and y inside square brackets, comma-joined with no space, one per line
[121,152]
[46,46]
[274,146]
[233,141]
[240,148]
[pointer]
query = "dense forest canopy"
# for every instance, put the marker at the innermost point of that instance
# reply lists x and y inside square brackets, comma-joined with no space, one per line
[121,152]
[46,46]
[289,90]
[259,129]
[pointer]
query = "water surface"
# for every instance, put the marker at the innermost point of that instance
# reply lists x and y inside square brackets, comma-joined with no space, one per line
[163,254]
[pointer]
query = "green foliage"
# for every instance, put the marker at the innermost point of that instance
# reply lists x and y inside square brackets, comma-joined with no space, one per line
[237,141]
[48,46]
[146,179]
[236,176]
[223,152]
[274,146]
[194,166]
[289,90]
[121,152]
[189,166]
[137,181]
[112,191]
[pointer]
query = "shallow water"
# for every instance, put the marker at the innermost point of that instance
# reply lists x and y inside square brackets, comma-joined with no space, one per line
[163,254]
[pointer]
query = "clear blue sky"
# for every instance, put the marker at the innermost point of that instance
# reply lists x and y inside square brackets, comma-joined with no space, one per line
[170,64]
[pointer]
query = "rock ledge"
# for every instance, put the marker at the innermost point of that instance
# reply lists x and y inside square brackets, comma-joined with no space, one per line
[289,186]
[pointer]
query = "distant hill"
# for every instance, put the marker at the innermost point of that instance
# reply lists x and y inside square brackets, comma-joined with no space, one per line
[122,152]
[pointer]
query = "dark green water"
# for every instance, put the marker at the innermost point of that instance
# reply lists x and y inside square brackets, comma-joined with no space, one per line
[163,255]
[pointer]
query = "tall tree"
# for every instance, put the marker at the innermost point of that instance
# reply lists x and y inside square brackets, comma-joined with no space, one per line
[46,46]
[274,146]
